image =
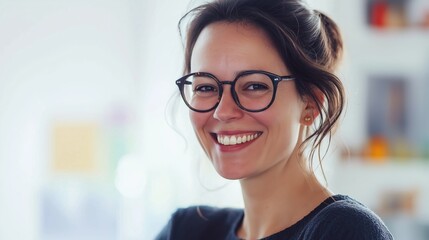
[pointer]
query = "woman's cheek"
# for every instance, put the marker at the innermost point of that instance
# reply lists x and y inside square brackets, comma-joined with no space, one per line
[197,120]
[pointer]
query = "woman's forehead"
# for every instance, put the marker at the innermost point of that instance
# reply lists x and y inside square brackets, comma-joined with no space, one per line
[234,45]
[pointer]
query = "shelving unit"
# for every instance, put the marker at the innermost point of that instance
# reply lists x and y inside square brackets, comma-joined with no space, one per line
[371,182]
[368,180]
[372,51]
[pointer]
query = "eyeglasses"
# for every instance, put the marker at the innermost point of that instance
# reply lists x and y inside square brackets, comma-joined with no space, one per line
[252,91]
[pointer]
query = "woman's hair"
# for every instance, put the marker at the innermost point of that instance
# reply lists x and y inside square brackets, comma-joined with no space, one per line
[308,41]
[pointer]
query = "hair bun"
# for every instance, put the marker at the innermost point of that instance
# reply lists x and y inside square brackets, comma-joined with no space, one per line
[333,39]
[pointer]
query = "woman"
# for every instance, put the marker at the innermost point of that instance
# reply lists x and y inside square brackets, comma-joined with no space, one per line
[260,86]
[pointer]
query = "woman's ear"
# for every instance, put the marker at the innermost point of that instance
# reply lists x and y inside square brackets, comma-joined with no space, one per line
[311,110]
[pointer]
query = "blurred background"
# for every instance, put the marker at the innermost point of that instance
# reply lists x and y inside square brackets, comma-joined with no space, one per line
[86,151]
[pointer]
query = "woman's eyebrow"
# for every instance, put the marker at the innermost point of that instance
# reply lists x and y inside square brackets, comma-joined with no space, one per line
[247,70]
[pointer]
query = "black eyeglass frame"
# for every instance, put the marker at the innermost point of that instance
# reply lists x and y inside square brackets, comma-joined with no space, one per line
[274,78]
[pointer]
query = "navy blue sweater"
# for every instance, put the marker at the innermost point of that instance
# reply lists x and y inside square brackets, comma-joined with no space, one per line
[339,217]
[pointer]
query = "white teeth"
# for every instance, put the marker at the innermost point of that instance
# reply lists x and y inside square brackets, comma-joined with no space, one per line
[226,140]
[235,139]
[232,140]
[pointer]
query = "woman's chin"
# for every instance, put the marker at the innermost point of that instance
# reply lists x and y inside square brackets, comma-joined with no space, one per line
[231,175]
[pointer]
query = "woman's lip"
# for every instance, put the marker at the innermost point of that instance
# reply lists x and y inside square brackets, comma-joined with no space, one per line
[235,132]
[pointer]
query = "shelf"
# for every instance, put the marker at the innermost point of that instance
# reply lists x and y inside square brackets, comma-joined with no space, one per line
[390,50]
[389,174]
[393,163]
[369,182]
[399,34]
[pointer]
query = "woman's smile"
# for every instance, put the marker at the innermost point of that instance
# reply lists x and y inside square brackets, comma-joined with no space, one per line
[230,139]
[233,141]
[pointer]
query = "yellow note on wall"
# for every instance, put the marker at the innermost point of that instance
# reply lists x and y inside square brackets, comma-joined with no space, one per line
[75,147]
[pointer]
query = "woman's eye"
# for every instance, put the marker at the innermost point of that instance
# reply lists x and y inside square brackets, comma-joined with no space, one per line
[205,88]
[256,86]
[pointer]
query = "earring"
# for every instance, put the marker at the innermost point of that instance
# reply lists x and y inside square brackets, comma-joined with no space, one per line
[307,119]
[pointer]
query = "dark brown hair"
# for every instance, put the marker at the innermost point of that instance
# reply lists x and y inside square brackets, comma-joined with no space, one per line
[308,41]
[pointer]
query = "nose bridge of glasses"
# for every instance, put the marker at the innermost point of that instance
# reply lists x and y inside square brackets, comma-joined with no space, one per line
[226,83]
[231,89]
[227,107]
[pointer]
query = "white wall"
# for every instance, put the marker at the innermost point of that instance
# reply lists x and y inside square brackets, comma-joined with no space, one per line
[62,60]
[58,60]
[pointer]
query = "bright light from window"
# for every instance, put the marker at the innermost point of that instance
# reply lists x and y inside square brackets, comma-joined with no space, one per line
[130,178]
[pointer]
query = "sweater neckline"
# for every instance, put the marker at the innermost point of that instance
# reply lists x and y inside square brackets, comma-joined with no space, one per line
[287,232]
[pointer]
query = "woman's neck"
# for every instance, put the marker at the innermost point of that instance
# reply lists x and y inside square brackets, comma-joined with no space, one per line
[278,198]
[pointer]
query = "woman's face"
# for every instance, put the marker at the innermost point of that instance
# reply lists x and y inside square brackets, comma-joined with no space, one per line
[225,49]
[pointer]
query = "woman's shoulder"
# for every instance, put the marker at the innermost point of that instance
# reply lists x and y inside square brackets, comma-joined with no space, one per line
[197,221]
[342,217]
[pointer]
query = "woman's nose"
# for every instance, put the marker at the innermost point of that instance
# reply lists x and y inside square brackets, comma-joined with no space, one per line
[227,109]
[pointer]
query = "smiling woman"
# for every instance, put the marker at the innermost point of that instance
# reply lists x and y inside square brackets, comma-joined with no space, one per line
[226,49]
[259,82]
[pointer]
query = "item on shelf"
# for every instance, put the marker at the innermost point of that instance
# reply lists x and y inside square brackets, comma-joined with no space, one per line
[425,22]
[396,17]
[383,14]
[425,150]
[377,149]
[398,201]
[400,149]
[387,14]
[418,13]
[378,14]
[392,129]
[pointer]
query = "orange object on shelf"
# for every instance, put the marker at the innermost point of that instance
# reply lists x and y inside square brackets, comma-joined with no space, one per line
[377,149]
